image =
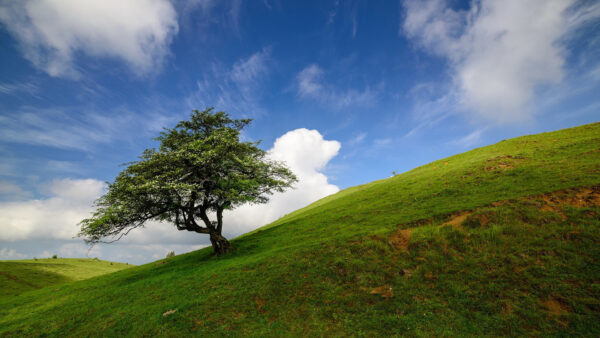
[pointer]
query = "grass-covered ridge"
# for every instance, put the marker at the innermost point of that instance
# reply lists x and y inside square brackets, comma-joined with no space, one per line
[18,276]
[468,245]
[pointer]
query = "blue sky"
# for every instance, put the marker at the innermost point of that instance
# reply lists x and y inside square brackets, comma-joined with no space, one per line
[353,90]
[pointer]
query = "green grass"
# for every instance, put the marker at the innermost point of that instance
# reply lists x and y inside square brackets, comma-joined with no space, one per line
[520,267]
[18,276]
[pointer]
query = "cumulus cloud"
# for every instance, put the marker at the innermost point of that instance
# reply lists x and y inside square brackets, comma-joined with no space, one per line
[52,32]
[500,52]
[306,153]
[311,84]
[55,217]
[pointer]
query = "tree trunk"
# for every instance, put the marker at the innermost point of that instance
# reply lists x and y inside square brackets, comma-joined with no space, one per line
[220,244]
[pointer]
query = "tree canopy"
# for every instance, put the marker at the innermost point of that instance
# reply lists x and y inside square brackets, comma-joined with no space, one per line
[200,169]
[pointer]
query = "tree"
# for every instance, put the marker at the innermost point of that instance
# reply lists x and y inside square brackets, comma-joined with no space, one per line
[200,169]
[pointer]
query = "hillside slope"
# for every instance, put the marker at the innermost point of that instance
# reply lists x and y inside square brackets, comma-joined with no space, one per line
[18,276]
[502,239]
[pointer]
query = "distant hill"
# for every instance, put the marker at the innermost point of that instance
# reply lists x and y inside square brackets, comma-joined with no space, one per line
[19,276]
[500,240]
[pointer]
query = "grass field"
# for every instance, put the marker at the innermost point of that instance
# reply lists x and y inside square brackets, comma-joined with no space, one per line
[20,276]
[500,240]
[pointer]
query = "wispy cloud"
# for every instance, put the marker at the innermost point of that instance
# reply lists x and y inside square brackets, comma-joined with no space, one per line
[500,52]
[19,88]
[347,12]
[470,139]
[52,33]
[249,73]
[70,128]
[359,138]
[239,91]
[429,111]
[311,84]
[382,142]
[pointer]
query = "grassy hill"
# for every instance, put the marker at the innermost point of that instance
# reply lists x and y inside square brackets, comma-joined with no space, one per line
[20,276]
[500,240]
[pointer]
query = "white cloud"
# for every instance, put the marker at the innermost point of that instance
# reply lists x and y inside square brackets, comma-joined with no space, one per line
[500,52]
[52,32]
[55,217]
[311,85]
[306,153]
[11,254]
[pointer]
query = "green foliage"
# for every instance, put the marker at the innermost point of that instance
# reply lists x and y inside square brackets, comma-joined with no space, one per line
[200,167]
[319,271]
[171,254]
[54,256]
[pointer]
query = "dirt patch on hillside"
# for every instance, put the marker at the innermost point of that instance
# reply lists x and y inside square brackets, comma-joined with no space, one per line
[555,307]
[502,163]
[400,240]
[577,197]
[457,220]
[499,167]
[557,310]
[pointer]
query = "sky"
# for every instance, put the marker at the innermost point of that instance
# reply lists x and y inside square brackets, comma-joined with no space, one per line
[346,92]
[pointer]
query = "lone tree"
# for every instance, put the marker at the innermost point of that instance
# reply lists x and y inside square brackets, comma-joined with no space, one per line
[200,169]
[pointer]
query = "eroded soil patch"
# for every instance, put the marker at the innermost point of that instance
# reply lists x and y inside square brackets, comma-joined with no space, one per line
[457,220]
[502,163]
[577,197]
[400,240]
